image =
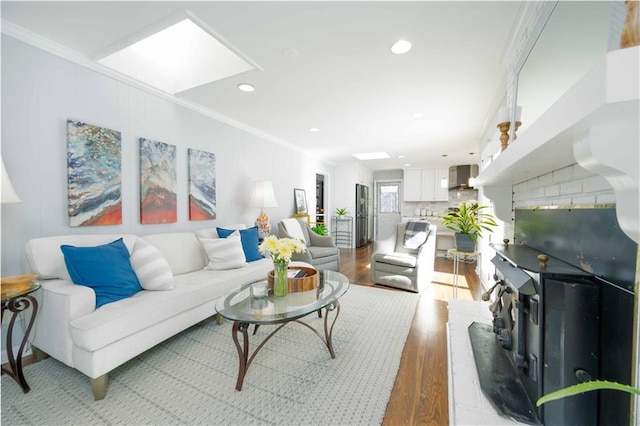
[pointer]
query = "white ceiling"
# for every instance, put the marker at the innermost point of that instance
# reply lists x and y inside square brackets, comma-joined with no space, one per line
[327,65]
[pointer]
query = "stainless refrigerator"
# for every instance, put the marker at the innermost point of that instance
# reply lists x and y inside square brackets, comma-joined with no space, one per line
[362,215]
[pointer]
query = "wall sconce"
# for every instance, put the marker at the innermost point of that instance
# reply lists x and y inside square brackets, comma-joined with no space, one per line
[504,122]
[263,197]
[8,194]
[444,183]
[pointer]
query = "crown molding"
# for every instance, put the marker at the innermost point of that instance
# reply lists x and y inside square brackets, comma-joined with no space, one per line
[19,33]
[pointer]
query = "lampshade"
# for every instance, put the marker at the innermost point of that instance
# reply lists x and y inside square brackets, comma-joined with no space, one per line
[262,195]
[8,195]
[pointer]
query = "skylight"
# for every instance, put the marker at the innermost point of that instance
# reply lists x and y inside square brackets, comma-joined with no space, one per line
[177,58]
[372,156]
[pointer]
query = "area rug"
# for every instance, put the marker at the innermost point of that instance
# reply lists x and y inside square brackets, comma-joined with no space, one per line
[190,378]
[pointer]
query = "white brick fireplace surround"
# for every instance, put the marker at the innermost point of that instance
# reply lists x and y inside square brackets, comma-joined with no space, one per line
[570,185]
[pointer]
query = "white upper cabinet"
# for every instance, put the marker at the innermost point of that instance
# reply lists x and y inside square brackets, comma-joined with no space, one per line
[424,185]
[412,185]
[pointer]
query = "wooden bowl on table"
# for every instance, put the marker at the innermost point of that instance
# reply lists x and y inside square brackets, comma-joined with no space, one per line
[310,281]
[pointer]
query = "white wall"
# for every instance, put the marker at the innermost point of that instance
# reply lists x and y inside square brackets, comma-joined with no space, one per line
[40,91]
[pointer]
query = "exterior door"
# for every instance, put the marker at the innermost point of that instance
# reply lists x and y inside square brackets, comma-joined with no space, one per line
[387,211]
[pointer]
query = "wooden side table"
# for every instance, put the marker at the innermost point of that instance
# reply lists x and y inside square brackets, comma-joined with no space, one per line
[457,254]
[16,303]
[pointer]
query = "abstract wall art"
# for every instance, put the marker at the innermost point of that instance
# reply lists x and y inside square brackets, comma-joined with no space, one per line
[94,169]
[158,199]
[202,185]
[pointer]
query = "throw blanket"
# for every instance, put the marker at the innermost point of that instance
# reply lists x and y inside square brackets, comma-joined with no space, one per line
[416,234]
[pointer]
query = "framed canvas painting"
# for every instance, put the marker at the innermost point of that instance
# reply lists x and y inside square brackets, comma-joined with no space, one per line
[94,175]
[300,200]
[202,185]
[158,199]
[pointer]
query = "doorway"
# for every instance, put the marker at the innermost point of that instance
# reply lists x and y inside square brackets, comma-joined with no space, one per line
[321,199]
[387,208]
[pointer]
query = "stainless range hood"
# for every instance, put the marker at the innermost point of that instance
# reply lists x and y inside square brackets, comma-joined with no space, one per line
[459,176]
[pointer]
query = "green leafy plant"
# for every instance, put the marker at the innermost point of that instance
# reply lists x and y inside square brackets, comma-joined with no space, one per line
[469,219]
[341,211]
[586,387]
[319,229]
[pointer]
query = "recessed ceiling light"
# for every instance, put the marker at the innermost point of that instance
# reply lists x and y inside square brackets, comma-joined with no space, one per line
[400,47]
[314,130]
[417,115]
[177,58]
[246,87]
[400,156]
[372,156]
[407,164]
[444,155]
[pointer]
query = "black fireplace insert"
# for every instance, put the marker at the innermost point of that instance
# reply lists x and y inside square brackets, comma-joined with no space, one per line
[559,322]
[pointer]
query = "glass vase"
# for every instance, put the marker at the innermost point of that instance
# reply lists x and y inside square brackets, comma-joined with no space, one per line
[280,282]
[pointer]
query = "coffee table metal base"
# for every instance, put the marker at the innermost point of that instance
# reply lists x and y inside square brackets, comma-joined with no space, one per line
[242,328]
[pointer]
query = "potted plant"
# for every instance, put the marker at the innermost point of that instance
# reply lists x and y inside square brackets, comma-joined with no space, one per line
[319,229]
[342,211]
[468,223]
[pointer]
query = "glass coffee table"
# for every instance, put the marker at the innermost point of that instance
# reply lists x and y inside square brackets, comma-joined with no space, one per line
[244,309]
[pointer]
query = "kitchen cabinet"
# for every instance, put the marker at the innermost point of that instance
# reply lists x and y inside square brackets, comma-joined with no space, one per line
[424,185]
[412,185]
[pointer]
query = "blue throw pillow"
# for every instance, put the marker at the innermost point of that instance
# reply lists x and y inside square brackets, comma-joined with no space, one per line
[104,268]
[249,239]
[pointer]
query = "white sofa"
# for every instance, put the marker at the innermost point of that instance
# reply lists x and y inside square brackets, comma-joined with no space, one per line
[94,341]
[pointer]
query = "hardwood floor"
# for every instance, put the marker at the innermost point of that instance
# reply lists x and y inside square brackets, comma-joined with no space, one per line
[420,393]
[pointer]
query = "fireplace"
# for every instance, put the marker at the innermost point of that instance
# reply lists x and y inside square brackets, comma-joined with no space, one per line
[561,319]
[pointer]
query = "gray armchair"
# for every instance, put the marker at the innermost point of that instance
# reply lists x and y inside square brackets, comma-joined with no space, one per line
[402,267]
[321,252]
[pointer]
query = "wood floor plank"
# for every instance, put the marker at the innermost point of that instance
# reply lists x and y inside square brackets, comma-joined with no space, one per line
[420,392]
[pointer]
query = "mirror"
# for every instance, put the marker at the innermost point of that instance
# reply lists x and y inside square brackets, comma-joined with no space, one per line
[576,37]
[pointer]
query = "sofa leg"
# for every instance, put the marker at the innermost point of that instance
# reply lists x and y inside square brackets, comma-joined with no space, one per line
[219,319]
[99,387]
[38,355]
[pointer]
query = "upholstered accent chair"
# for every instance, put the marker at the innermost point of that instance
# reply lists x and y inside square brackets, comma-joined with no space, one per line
[321,252]
[405,264]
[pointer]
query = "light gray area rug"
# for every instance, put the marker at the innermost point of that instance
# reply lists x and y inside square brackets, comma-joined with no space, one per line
[190,379]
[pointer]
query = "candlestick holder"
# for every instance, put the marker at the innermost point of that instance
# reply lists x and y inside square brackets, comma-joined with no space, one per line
[504,133]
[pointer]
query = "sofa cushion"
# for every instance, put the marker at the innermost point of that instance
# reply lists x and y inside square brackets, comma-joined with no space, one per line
[396,259]
[249,238]
[152,269]
[104,268]
[43,256]
[224,253]
[127,317]
[317,252]
[182,250]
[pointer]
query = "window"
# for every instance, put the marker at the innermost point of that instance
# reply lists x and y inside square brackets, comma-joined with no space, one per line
[389,198]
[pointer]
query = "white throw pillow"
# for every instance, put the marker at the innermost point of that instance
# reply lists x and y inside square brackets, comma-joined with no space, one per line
[152,269]
[294,229]
[224,253]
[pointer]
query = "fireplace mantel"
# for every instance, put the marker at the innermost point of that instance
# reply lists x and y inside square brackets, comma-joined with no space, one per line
[595,124]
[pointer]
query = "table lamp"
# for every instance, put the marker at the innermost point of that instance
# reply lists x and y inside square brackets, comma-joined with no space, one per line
[263,197]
